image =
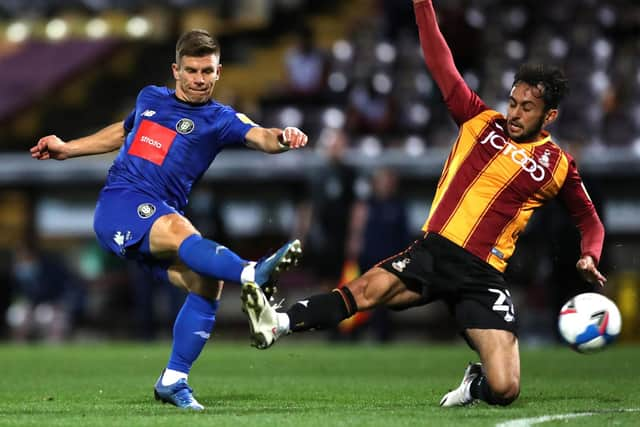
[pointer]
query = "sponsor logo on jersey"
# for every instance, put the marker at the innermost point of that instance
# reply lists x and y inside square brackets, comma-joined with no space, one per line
[518,155]
[246,120]
[145,210]
[497,252]
[185,126]
[152,142]
[148,113]
[400,265]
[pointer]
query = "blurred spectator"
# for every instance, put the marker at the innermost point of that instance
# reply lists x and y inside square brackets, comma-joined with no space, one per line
[48,298]
[370,106]
[323,218]
[379,226]
[379,229]
[305,66]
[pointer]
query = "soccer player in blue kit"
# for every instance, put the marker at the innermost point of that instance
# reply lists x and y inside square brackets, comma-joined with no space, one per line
[166,144]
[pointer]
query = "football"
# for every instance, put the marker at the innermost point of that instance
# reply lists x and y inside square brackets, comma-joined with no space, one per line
[589,322]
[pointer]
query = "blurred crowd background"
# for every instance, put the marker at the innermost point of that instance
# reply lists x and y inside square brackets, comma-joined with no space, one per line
[349,73]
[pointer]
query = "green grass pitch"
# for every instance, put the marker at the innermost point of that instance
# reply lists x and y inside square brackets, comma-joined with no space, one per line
[308,384]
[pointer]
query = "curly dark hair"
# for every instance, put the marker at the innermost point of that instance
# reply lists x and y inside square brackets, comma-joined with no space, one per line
[550,80]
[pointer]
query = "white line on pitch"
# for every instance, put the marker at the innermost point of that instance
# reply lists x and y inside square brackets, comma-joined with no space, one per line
[526,422]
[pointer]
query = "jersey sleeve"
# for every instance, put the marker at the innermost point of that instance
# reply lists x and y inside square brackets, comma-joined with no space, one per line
[575,198]
[234,127]
[462,102]
[129,121]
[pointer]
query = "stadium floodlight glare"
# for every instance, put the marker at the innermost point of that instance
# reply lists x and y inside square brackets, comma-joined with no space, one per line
[507,79]
[97,28]
[371,146]
[385,52]
[414,146]
[337,81]
[472,80]
[333,117]
[56,29]
[291,115]
[17,31]
[599,81]
[515,49]
[382,83]
[558,47]
[138,26]
[475,18]
[342,50]
[419,114]
[423,83]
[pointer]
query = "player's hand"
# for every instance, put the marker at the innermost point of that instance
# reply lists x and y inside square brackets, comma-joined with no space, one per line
[587,268]
[293,138]
[49,147]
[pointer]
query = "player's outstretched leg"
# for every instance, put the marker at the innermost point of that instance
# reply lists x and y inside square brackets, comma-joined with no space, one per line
[263,318]
[461,396]
[269,268]
[178,394]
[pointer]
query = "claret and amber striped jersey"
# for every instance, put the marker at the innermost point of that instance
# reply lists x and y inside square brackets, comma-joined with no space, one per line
[491,185]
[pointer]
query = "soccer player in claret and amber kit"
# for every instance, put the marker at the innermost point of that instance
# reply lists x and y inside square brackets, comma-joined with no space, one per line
[499,171]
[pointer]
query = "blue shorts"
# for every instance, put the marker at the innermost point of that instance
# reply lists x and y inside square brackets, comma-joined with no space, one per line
[122,223]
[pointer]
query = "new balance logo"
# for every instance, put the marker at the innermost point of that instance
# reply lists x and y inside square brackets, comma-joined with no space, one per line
[202,334]
[400,265]
[148,113]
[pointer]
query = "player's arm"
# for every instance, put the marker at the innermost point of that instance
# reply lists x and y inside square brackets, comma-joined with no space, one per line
[275,140]
[105,140]
[577,201]
[462,102]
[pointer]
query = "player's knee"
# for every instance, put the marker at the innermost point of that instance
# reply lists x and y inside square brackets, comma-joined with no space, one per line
[376,287]
[505,391]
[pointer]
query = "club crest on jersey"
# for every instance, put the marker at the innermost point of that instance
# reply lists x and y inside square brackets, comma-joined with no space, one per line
[145,210]
[544,159]
[185,126]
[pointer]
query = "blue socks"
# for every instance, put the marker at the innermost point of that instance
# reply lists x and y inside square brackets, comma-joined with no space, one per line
[191,331]
[210,259]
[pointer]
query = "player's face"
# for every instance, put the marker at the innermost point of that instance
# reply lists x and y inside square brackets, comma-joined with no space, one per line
[526,115]
[196,77]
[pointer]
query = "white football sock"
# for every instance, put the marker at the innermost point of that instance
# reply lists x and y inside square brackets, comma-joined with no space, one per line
[170,376]
[283,324]
[248,273]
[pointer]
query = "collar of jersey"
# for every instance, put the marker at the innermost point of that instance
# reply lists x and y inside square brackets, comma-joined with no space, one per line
[190,104]
[546,137]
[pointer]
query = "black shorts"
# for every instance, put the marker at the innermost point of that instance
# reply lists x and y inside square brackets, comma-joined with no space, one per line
[474,291]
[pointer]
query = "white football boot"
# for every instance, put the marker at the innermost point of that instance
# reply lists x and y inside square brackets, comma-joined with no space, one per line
[461,396]
[263,317]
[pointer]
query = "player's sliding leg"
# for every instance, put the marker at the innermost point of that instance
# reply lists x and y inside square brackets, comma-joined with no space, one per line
[375,287]
[461,396]
[497,380]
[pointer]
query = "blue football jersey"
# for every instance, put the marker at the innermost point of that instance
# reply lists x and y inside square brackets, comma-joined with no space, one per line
[170,144]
